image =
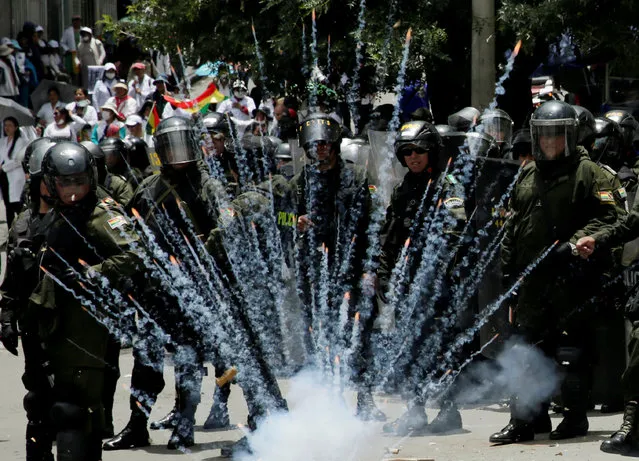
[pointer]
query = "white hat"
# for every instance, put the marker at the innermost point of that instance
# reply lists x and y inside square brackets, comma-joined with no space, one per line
[120,84]
[109,66]
[39,29]
[86,29]
[133,120]
[5,50]
[5,41]
[54,44]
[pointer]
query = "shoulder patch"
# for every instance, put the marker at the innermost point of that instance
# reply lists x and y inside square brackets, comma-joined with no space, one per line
[453,202]
[622,193]
[606,197]
[116,222]
[372,189]
[452,179]
[108,201]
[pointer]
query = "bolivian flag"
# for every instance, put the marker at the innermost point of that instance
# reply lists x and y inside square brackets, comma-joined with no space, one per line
[210,95]
[154,119]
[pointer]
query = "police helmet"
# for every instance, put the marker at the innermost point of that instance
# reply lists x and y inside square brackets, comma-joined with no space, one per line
[175,141]
[586,130]
[113,147]
[498,124]
[34,153]
[464,120]
[68,163]
[137,152]
[95,150]
[216,124]
[608,143]
[418,135]
[319,127]
[627,124]
[554,119]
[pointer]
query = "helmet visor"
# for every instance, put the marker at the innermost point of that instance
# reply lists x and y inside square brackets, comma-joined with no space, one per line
[552,142]
[500,129]
[175,147]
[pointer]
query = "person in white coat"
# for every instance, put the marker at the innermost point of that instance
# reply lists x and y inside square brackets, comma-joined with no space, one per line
[141,86]
[81,110]
[69,42]
[124,103]
[9,80]
[45,113]
[90,53]
[103,89]
[239,105]
[12,177]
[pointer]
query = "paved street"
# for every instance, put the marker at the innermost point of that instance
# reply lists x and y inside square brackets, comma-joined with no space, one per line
[470,444]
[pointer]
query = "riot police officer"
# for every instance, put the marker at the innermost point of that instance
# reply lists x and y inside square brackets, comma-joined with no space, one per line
[25,239]
[418,147]
[87,238]
[333,209]
[116,156]
[110,184]
[498,124]
[560,197]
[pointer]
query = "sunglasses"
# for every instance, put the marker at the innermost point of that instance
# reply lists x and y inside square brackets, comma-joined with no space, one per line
[408,151]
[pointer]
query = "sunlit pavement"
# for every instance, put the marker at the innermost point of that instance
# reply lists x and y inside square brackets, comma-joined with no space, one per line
[469,444]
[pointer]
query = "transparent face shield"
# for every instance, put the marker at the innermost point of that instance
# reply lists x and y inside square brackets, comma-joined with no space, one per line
[176,147]
[553,139]
[500,129]
[72,188]
[606,149]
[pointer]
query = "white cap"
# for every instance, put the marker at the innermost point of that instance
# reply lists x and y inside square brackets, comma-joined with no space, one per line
[54,44]
[86,29]
[5,41]
[39,29]
[133,120]
[109,66]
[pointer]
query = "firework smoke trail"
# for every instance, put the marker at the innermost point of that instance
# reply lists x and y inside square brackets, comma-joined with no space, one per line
[241,157]
[328,55]
[260,58]
[482,317]
[353,94]
[473,279]
[499,86]
[304,53]
[401,79]
[382,67]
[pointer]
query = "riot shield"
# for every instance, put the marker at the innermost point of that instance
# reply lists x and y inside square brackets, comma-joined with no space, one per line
[384,170]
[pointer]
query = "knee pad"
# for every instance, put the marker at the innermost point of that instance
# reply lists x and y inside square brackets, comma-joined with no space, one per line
[36,406]
[68,416]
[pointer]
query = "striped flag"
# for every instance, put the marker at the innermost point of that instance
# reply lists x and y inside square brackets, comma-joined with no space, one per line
[210,95]
[154,118]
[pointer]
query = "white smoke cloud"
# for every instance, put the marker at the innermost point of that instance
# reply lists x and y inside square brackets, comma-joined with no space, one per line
[319,426]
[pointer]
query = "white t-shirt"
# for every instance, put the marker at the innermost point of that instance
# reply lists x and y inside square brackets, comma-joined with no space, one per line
[46,111]
[245,103]
[56,132]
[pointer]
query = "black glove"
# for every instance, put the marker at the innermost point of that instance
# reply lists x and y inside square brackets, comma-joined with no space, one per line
[381,290]
[9,337]
[563,251]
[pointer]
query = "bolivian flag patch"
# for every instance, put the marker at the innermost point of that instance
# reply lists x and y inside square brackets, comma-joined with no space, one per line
[606,197]
[116,222]
[372,189]
[622,193]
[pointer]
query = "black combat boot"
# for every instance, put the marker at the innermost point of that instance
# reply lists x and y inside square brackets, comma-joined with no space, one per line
[168,422]
[39,441]
[625,439]
[542,423]
[573,425]
[134,434]
[219,415]
[366,408]
[413,421]
[448,419]
[241,447]
[516,431]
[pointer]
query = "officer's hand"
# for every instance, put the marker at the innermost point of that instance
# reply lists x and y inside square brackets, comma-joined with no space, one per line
[564,251]
[304,223]
[9,337]
[586,246]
